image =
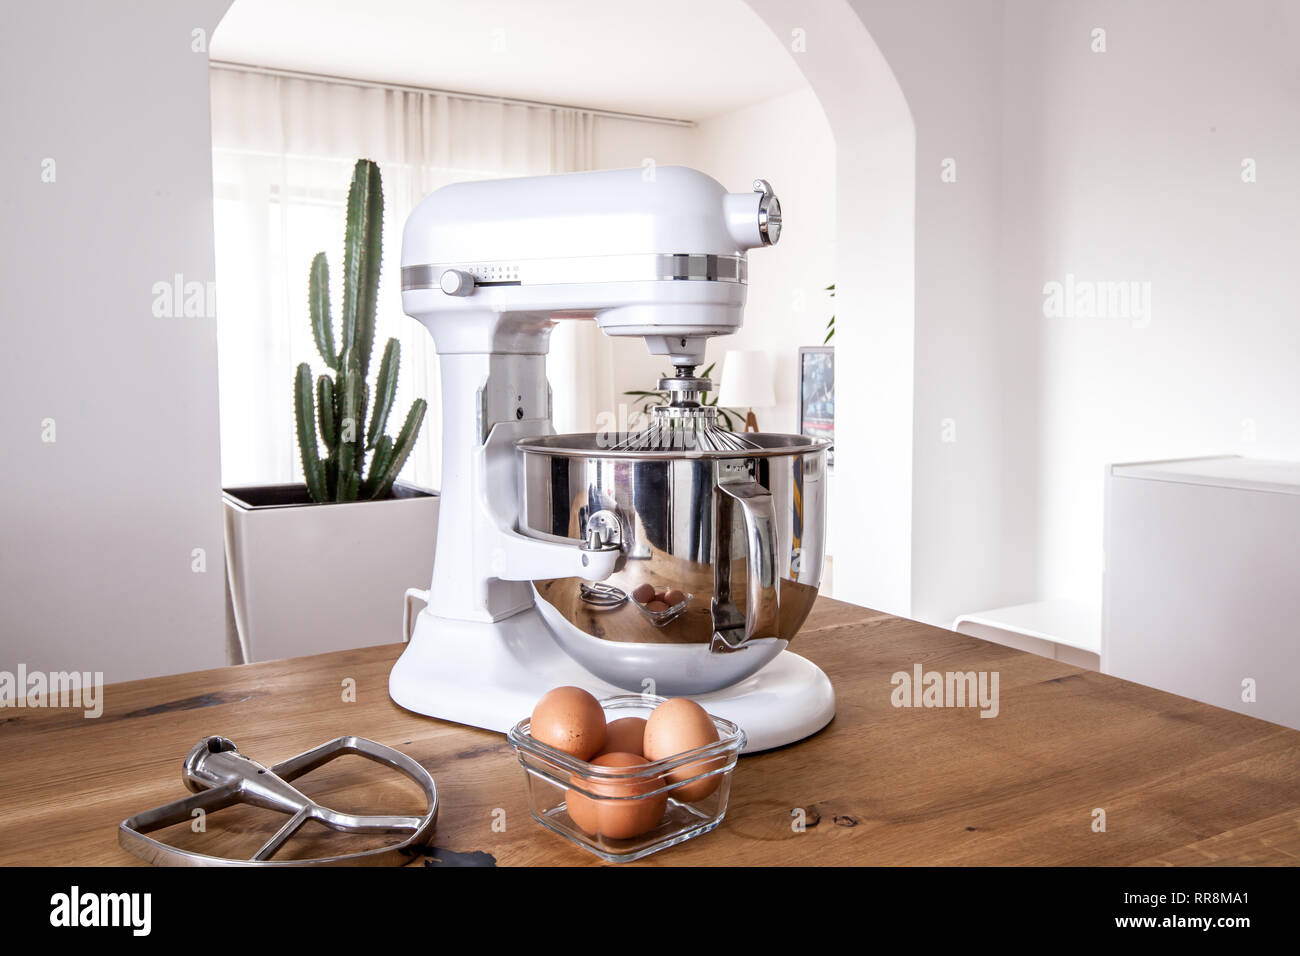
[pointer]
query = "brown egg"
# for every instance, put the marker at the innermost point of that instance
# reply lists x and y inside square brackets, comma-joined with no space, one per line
[625,735]
[571,720]
[674,597]
[656,606]
[644,593]
[674,727]
[613,818]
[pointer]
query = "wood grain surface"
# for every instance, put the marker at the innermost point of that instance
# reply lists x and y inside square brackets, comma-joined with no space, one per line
[1180,782]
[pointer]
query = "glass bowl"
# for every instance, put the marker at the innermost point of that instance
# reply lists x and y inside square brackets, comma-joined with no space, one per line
[618,793]
[660,618]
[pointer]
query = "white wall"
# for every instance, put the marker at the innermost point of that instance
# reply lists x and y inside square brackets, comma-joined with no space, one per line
[99,525]
[1127,165]
[621,143]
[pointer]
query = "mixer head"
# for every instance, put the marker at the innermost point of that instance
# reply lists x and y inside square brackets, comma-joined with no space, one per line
[658,254]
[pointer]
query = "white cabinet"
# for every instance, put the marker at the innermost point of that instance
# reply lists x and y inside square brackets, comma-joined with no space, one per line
[1201,595]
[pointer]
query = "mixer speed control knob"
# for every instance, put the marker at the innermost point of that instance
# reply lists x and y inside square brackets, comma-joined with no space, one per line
[456,282]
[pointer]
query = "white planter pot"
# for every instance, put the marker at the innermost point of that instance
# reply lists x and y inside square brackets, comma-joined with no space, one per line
[308,578]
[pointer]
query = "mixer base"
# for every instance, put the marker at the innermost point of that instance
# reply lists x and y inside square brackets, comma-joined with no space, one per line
[490,674]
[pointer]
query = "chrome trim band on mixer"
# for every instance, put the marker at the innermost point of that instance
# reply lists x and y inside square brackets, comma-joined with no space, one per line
[675,266]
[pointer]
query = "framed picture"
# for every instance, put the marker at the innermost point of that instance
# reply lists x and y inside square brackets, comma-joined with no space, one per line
[817,394]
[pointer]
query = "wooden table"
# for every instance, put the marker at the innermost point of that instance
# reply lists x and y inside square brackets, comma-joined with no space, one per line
[1180,782]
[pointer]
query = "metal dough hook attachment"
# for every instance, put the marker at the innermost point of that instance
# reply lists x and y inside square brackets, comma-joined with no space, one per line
[220,776]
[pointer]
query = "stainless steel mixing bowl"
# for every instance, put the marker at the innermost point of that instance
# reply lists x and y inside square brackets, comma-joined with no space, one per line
[741,531]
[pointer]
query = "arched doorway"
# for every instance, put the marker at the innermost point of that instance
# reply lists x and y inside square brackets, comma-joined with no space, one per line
[875,140]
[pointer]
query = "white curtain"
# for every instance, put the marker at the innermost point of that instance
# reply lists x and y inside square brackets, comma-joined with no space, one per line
[283,151]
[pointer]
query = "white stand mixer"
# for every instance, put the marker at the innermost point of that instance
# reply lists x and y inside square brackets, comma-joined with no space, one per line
[489,268]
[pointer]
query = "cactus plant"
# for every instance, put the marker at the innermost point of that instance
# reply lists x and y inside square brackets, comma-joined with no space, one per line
[830,326]
[335,406]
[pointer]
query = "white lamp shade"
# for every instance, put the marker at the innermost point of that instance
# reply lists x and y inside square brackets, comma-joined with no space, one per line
[747,380]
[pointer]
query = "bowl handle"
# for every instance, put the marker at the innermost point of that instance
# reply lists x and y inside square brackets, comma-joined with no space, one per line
[762,602]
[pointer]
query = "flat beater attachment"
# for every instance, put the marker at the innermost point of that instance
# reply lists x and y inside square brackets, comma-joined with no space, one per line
[220,776]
